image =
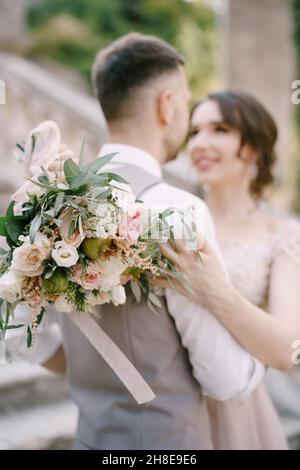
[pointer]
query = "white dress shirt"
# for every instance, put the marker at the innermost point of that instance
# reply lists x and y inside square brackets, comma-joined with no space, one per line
[221,365]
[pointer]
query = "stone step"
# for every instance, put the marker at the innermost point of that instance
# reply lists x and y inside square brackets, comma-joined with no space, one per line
[51,426]
[23,385]
[35,409]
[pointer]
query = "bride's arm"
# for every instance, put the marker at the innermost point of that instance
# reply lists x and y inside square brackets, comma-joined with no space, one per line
[268,336]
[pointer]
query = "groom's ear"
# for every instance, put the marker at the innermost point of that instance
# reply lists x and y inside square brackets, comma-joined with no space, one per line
[165,108]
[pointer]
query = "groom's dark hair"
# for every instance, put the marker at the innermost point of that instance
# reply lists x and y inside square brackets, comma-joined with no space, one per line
[127,64]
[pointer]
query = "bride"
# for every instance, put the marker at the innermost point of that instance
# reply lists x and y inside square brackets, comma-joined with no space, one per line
[231,144]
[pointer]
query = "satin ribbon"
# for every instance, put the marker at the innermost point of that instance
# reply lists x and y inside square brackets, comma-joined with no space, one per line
[114,357]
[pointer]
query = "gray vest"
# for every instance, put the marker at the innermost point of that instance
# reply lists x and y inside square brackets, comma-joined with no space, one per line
[109,417]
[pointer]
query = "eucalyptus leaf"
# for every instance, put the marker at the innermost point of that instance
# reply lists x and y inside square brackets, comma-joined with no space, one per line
[40,315]
[29,337]
[152,308]
[115,177]
[99,163]
[58,202]
[50,212]
[71,170]
[20,147]
[43,179]
[13,327]
[154,299]
[136,290]
[48,274]
[72,228]
[86,178]
[167,212]
[34,227]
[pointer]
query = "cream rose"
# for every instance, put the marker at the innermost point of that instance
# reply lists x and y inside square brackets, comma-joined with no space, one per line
[28,258]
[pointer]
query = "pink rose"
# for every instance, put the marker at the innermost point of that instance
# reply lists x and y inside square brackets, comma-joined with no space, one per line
[89,278]
[131,225]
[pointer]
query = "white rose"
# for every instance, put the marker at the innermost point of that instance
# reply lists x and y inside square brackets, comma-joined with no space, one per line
[10,285]
[64,255]
[110,272]
[62,305]
[118,295]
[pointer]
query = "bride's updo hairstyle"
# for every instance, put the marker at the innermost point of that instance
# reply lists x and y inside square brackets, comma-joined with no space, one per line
[244,113]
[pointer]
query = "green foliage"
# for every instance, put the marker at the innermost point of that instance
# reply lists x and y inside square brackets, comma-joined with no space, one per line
[71,32]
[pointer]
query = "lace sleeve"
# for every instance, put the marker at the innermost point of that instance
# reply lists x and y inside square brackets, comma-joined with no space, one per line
[288,241]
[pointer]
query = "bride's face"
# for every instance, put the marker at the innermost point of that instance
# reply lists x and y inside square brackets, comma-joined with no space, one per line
[214,146]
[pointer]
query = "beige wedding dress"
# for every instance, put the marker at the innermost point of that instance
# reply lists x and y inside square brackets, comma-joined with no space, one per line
[253,423]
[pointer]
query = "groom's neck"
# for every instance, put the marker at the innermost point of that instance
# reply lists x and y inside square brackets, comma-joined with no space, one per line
[146,141]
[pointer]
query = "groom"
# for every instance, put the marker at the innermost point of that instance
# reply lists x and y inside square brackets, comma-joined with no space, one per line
[142,88]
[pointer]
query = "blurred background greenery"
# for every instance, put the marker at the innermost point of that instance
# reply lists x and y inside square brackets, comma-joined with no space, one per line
[72,32]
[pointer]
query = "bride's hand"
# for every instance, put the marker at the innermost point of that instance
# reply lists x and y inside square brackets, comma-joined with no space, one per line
[207,280]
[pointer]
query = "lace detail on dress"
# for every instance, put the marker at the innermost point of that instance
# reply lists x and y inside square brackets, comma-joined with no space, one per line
[249,262]
[288,241]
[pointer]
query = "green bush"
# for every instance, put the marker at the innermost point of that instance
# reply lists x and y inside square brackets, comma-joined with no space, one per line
[188,26]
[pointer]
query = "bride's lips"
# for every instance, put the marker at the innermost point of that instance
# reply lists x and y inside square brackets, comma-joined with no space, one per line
[204,163]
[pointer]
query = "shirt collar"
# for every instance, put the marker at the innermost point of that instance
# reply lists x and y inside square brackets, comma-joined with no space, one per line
[128,154]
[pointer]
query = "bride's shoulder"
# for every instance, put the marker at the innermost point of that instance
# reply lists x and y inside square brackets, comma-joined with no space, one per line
[284,230]
[287,237]
[282,224]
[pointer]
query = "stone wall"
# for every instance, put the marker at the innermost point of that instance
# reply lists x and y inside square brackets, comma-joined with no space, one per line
[258,56]
[34,95]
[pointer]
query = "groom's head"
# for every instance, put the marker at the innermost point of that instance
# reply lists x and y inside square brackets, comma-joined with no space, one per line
[140,83]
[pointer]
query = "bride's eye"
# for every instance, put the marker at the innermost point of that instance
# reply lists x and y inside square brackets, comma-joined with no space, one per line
[222,129]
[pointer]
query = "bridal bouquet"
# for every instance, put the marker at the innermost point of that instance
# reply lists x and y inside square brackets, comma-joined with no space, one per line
[75,236]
